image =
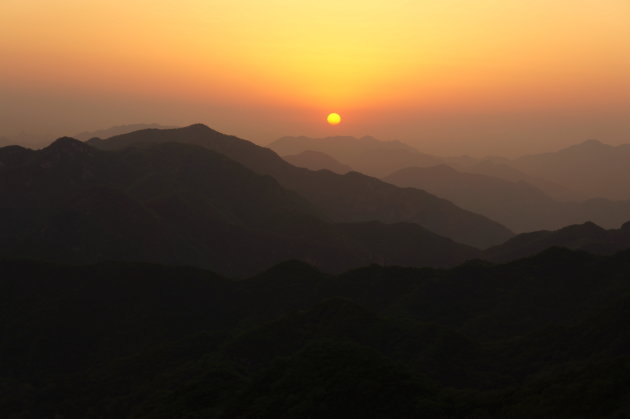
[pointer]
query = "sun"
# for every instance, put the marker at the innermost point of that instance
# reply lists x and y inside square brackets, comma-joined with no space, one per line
[333,118]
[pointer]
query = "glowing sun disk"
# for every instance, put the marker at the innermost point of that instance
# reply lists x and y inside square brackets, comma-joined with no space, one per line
[333,118]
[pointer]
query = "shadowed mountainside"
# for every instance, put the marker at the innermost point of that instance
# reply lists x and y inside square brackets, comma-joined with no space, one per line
[518,205]
[315,160]
[183,204]
[352,197]
[541,337]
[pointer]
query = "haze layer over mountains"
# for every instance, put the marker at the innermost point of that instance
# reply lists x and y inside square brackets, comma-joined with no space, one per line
[586,182]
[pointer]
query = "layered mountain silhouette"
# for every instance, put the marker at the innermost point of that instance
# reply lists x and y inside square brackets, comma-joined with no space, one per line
[315,160]
[199,275]
[366,154]
[381,158]
[592,168]
[587,237]
[499,167]
[518,205]
[184,204]
[352,197]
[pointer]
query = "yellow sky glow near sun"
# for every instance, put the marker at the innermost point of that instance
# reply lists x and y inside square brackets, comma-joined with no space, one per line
[396,56]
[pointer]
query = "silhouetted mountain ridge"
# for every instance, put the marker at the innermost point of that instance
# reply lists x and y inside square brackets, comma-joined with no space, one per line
[344,198]
[117,130]
[178,203]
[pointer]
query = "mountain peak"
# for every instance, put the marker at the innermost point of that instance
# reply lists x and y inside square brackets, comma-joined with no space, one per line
[68,145]
[586,228]
[198,127]
[591,144]
[592,141]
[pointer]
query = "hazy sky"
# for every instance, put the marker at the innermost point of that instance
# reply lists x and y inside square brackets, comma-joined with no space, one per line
[449,76]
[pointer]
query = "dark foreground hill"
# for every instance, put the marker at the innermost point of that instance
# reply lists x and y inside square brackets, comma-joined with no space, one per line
[352,197]
[183,204]
[541,337]
[587,237]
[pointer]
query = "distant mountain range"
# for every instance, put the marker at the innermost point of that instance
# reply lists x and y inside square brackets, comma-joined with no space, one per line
[381,158]
[316,160]
[525,194]
[593,168]
[500,168]
[366,155]
[518,205]
[588,170]
[353,197]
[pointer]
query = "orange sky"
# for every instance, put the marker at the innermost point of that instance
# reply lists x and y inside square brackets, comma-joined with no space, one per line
[450,76]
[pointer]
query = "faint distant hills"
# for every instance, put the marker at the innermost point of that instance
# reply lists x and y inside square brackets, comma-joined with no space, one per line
[499,167]
[117,130]
[366,155]
[593,168]
[379,158]
[315,160]
[586,182]
[590,169]
[518,205]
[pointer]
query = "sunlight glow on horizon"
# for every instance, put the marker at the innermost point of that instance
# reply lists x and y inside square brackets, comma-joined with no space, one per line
[399,56]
